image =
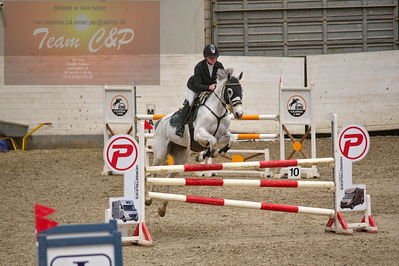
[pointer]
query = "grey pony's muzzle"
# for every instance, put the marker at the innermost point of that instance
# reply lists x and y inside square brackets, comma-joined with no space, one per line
[236,106]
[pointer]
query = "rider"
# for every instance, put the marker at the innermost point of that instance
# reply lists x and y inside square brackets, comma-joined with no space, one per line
[204,79]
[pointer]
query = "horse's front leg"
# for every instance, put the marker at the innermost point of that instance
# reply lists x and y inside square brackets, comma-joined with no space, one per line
[225,138]
[205,139]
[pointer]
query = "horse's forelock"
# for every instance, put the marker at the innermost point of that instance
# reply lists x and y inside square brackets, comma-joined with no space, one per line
[222,73]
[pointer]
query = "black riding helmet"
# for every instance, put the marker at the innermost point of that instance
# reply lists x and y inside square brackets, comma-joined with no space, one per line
[211,51]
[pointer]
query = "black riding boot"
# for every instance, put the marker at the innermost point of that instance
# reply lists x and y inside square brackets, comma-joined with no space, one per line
[184,114]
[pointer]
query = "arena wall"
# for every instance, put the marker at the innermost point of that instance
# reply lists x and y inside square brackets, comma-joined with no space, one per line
[362,88]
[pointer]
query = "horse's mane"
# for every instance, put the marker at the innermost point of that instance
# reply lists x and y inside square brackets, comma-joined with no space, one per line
[222,73]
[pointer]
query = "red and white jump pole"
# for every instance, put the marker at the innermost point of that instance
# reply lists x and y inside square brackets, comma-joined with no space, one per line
[242,204]
[239,183]
[236,166]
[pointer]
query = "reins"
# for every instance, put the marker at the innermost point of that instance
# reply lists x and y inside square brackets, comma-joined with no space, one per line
[224,104]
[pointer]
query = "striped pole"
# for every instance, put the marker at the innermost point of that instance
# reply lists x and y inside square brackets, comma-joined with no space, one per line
[236,166]
[242,204]
[149,117]
[255,136]
[244,117]
[259,117]
[239,183]
[238,136]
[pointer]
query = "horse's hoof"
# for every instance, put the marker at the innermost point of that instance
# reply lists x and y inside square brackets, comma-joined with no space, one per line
[197,158]
[161,212]
[148,202]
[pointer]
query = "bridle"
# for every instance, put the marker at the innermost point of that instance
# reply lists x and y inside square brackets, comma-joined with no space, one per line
[232,86]
[226,101]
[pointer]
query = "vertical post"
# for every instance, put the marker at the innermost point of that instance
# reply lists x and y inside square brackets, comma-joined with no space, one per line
[142,163]
[285,29]
[367,212]
[325,35]
[334,136]
[280,123]
[106,170]
[214,19]
[245,20]
[313,126]
[364,25]
[267,158]
[134,122]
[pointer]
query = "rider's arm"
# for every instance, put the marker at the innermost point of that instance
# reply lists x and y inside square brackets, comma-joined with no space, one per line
[198,86]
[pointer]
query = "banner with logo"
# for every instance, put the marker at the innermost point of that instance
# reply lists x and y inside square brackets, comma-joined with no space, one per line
[353,143]
[295,106]
[121,155]
[81,42]
[118,106]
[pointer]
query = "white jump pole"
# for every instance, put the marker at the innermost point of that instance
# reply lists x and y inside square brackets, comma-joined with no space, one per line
[244,117]
[242,204]
[237,166]
[239,183]
[243,136]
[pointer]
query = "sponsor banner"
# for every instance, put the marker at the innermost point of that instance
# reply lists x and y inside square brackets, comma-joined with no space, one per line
[125,210]
[81,42]
[295,106]
[121,155]
[353,142]
[118,106]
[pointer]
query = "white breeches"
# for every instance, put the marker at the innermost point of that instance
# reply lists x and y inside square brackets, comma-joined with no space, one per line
[190,96]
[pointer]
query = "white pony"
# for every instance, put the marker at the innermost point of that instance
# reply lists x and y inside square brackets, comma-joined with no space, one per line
[211,127]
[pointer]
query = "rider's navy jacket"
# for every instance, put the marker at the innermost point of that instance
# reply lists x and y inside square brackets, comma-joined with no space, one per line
[201,80]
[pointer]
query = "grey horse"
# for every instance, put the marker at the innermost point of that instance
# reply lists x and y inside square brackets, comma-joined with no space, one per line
[211,127]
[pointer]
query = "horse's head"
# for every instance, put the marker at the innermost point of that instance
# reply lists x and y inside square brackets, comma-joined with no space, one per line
[232,91]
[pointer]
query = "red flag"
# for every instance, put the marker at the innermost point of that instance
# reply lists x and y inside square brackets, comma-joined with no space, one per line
[147,125]
[42,223]
[43,210]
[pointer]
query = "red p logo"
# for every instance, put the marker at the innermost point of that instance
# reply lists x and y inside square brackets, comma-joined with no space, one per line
[354,142]
[121,153]
[358,140]
[117,154]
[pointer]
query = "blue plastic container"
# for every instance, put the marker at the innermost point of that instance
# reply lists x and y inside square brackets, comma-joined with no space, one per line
[4,145]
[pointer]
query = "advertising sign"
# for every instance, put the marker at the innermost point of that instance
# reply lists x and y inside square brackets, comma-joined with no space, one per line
[121,155]
[118,106]
[81,42]
[80,244]
[295,106]
[353,143]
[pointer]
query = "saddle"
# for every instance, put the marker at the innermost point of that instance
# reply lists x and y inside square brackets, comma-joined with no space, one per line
[179,116]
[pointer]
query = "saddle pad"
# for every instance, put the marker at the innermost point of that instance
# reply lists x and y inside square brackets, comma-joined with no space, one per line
[176,118]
